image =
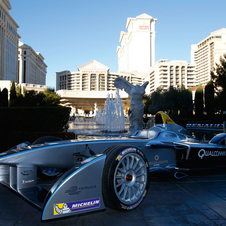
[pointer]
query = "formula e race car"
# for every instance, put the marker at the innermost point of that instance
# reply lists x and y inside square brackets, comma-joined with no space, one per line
[107,172]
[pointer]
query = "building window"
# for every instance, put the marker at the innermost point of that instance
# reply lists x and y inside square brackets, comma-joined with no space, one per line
[24,75]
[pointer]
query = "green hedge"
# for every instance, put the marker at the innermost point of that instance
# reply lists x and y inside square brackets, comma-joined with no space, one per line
[28,124]
[34,119]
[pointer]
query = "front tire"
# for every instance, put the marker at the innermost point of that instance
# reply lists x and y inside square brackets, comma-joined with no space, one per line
[125,177]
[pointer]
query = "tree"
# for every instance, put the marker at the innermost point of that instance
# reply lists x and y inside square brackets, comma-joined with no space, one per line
[199,101]
[52,98]
[172,100]
[4,97]
[147,101]
[219,73]
[13,95]
[157,101]
[219,79]
[19,96]
[209,98]
[186,102]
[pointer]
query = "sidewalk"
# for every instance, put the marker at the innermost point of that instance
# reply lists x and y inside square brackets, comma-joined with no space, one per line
[195,200]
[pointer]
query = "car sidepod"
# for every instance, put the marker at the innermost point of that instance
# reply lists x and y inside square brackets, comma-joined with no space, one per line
[197,156]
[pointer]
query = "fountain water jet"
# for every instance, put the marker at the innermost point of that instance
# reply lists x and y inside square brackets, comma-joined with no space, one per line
[112,115]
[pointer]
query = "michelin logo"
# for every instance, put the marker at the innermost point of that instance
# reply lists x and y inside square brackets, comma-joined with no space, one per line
[125,152]
[62,208]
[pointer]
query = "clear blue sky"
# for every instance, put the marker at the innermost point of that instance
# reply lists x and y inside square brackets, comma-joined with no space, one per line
[70,33]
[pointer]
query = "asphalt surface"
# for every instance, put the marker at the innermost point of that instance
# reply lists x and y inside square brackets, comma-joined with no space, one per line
[194,200]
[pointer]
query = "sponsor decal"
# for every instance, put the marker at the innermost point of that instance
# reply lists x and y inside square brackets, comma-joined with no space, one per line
[70,207]
[27,172]
[27,181]
[23,146]
[156,163]
[203,152]
[74,190]
[125,152]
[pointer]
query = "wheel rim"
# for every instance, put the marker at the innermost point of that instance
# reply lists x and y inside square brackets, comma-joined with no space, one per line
[51,172]
[130,178]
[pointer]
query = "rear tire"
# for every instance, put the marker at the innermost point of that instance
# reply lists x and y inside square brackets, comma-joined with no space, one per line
[125,177]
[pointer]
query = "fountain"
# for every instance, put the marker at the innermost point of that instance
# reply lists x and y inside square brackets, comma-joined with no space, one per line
[107,122]
[112,116]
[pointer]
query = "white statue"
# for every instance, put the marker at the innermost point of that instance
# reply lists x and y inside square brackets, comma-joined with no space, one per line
[136,103]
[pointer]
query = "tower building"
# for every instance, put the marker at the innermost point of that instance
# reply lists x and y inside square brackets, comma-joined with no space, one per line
[8,43]
[207,53]
[137,51]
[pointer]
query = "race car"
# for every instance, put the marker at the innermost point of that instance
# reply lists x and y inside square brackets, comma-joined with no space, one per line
[112,172]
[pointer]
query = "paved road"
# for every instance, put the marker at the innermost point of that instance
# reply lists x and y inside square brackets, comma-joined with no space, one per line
[195,200]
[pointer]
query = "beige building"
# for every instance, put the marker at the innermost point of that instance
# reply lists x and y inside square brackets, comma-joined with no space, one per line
[8,43]
[92,76]
[32,68]
[91,84]
[207,53]
[165,73]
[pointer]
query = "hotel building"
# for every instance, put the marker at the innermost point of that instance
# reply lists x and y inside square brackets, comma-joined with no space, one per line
[32,68]
[18,61]
[137,51]
[207,53]
[8,44]
[136,62]
[165,73]
[93,81]
[91,84]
